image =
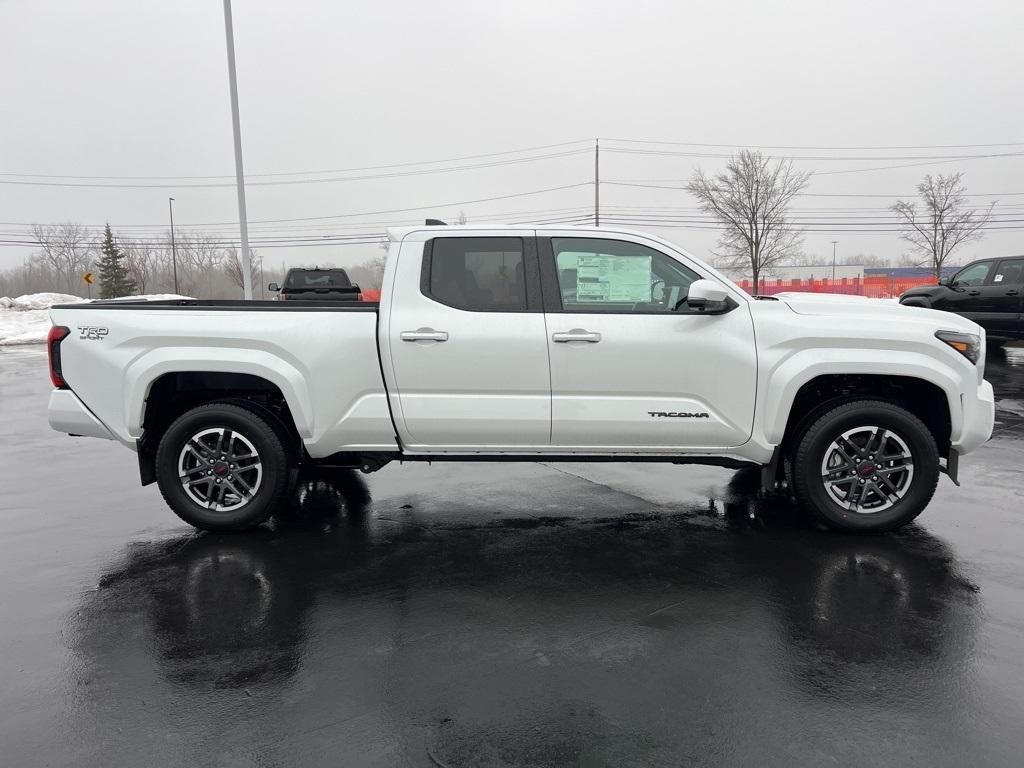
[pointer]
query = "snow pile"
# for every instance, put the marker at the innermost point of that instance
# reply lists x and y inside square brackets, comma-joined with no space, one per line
[26,319]
[37,301]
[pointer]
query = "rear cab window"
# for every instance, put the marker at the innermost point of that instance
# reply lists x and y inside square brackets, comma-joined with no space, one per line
[478,274]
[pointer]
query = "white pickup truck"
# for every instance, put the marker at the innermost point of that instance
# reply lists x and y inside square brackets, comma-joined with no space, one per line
[529,343]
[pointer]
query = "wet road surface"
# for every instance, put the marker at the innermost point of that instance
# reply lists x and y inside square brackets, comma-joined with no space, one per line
[500,615]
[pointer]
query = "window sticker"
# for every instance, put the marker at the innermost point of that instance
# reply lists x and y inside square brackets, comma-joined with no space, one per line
[999,278]
[613,278]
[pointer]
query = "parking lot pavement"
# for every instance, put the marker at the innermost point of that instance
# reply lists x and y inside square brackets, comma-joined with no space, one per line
[502,614]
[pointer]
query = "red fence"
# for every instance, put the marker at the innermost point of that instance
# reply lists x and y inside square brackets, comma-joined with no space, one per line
[875,287]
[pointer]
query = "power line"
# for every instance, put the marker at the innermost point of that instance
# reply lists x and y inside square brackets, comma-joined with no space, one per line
[287,182]
[668,182]
[301,173]
[810,148]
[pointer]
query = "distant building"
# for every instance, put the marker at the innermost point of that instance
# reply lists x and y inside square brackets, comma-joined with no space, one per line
[948,269]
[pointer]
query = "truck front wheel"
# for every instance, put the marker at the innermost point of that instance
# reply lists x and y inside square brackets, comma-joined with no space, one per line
[865,466]
[222,467]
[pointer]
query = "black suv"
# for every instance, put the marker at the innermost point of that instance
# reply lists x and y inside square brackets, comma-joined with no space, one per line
[990,292]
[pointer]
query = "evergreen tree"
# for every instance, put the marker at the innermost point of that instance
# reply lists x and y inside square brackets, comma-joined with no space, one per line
[114,278]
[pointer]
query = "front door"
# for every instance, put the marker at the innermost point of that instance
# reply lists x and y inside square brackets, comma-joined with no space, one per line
[633,368]
[468,349]
[970,294]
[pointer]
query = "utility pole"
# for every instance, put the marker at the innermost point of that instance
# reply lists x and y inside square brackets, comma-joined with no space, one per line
[597,182]
[834,259]
[239,175]
[174,252]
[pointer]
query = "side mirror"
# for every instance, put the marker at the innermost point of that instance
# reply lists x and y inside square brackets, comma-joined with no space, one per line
[274,287]
[946,280]
[707,296]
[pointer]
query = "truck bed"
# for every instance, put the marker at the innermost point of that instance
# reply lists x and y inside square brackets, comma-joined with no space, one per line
[321,356]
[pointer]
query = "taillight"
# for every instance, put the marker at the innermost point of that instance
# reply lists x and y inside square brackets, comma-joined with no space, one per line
[282,296]
[359,297]
[56,335]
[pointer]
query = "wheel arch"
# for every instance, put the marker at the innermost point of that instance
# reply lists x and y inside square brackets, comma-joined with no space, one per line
[924,398]
[226,368]
[173,393]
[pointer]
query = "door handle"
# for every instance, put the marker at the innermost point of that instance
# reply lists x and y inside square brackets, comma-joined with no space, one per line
[576,334]
[1012,292]
[424,334]
[973,293]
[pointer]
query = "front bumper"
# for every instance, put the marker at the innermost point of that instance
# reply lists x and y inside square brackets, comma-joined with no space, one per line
[68,414]
[978,417]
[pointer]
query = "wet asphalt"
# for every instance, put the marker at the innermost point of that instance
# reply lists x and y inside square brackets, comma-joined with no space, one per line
[502,615]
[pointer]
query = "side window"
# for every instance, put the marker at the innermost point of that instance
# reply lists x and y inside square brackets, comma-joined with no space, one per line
[975,274]
[595,274]
[480,274]
[1009,272]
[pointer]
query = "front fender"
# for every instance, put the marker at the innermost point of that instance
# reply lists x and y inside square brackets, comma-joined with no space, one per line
[150,366]
[785,379]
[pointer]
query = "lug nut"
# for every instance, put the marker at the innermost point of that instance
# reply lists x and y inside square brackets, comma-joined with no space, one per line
[218,481]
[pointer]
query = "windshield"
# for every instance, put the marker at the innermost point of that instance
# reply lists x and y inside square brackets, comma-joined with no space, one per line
[317,278]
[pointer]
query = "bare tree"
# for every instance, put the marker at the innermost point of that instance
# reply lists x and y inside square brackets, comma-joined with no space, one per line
[66,249]
[751,200]
[945,221]
[142,259]
[368,274]
[199,261]
[233,266]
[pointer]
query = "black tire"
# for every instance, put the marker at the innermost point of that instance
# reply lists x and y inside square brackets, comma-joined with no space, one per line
[916,488]
[241,510]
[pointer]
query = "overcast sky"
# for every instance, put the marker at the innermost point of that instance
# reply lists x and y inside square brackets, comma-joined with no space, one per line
[138,88]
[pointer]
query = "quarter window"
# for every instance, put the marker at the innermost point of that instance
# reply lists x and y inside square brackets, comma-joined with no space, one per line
[596,275]
[975,274]
[481,274]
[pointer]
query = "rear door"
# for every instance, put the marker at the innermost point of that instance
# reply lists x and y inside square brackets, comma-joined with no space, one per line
[633,368]
[1005,289]
[467,345]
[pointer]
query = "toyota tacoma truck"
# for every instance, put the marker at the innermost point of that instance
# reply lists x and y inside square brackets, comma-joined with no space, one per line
[529,344]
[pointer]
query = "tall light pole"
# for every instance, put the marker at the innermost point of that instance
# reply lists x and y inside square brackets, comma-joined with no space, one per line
[174,252]
[597,182]
[239,175]
[834,259]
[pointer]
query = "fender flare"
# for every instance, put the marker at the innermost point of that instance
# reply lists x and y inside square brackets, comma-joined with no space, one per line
[785,380]
[140,375]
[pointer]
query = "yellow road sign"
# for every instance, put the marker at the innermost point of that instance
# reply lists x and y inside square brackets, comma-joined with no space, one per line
[88,278]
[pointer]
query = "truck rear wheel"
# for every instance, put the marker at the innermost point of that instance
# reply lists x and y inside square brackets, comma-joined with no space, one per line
[222,467]
[866,466]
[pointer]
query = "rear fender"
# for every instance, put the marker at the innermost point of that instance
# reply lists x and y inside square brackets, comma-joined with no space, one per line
[146,369]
